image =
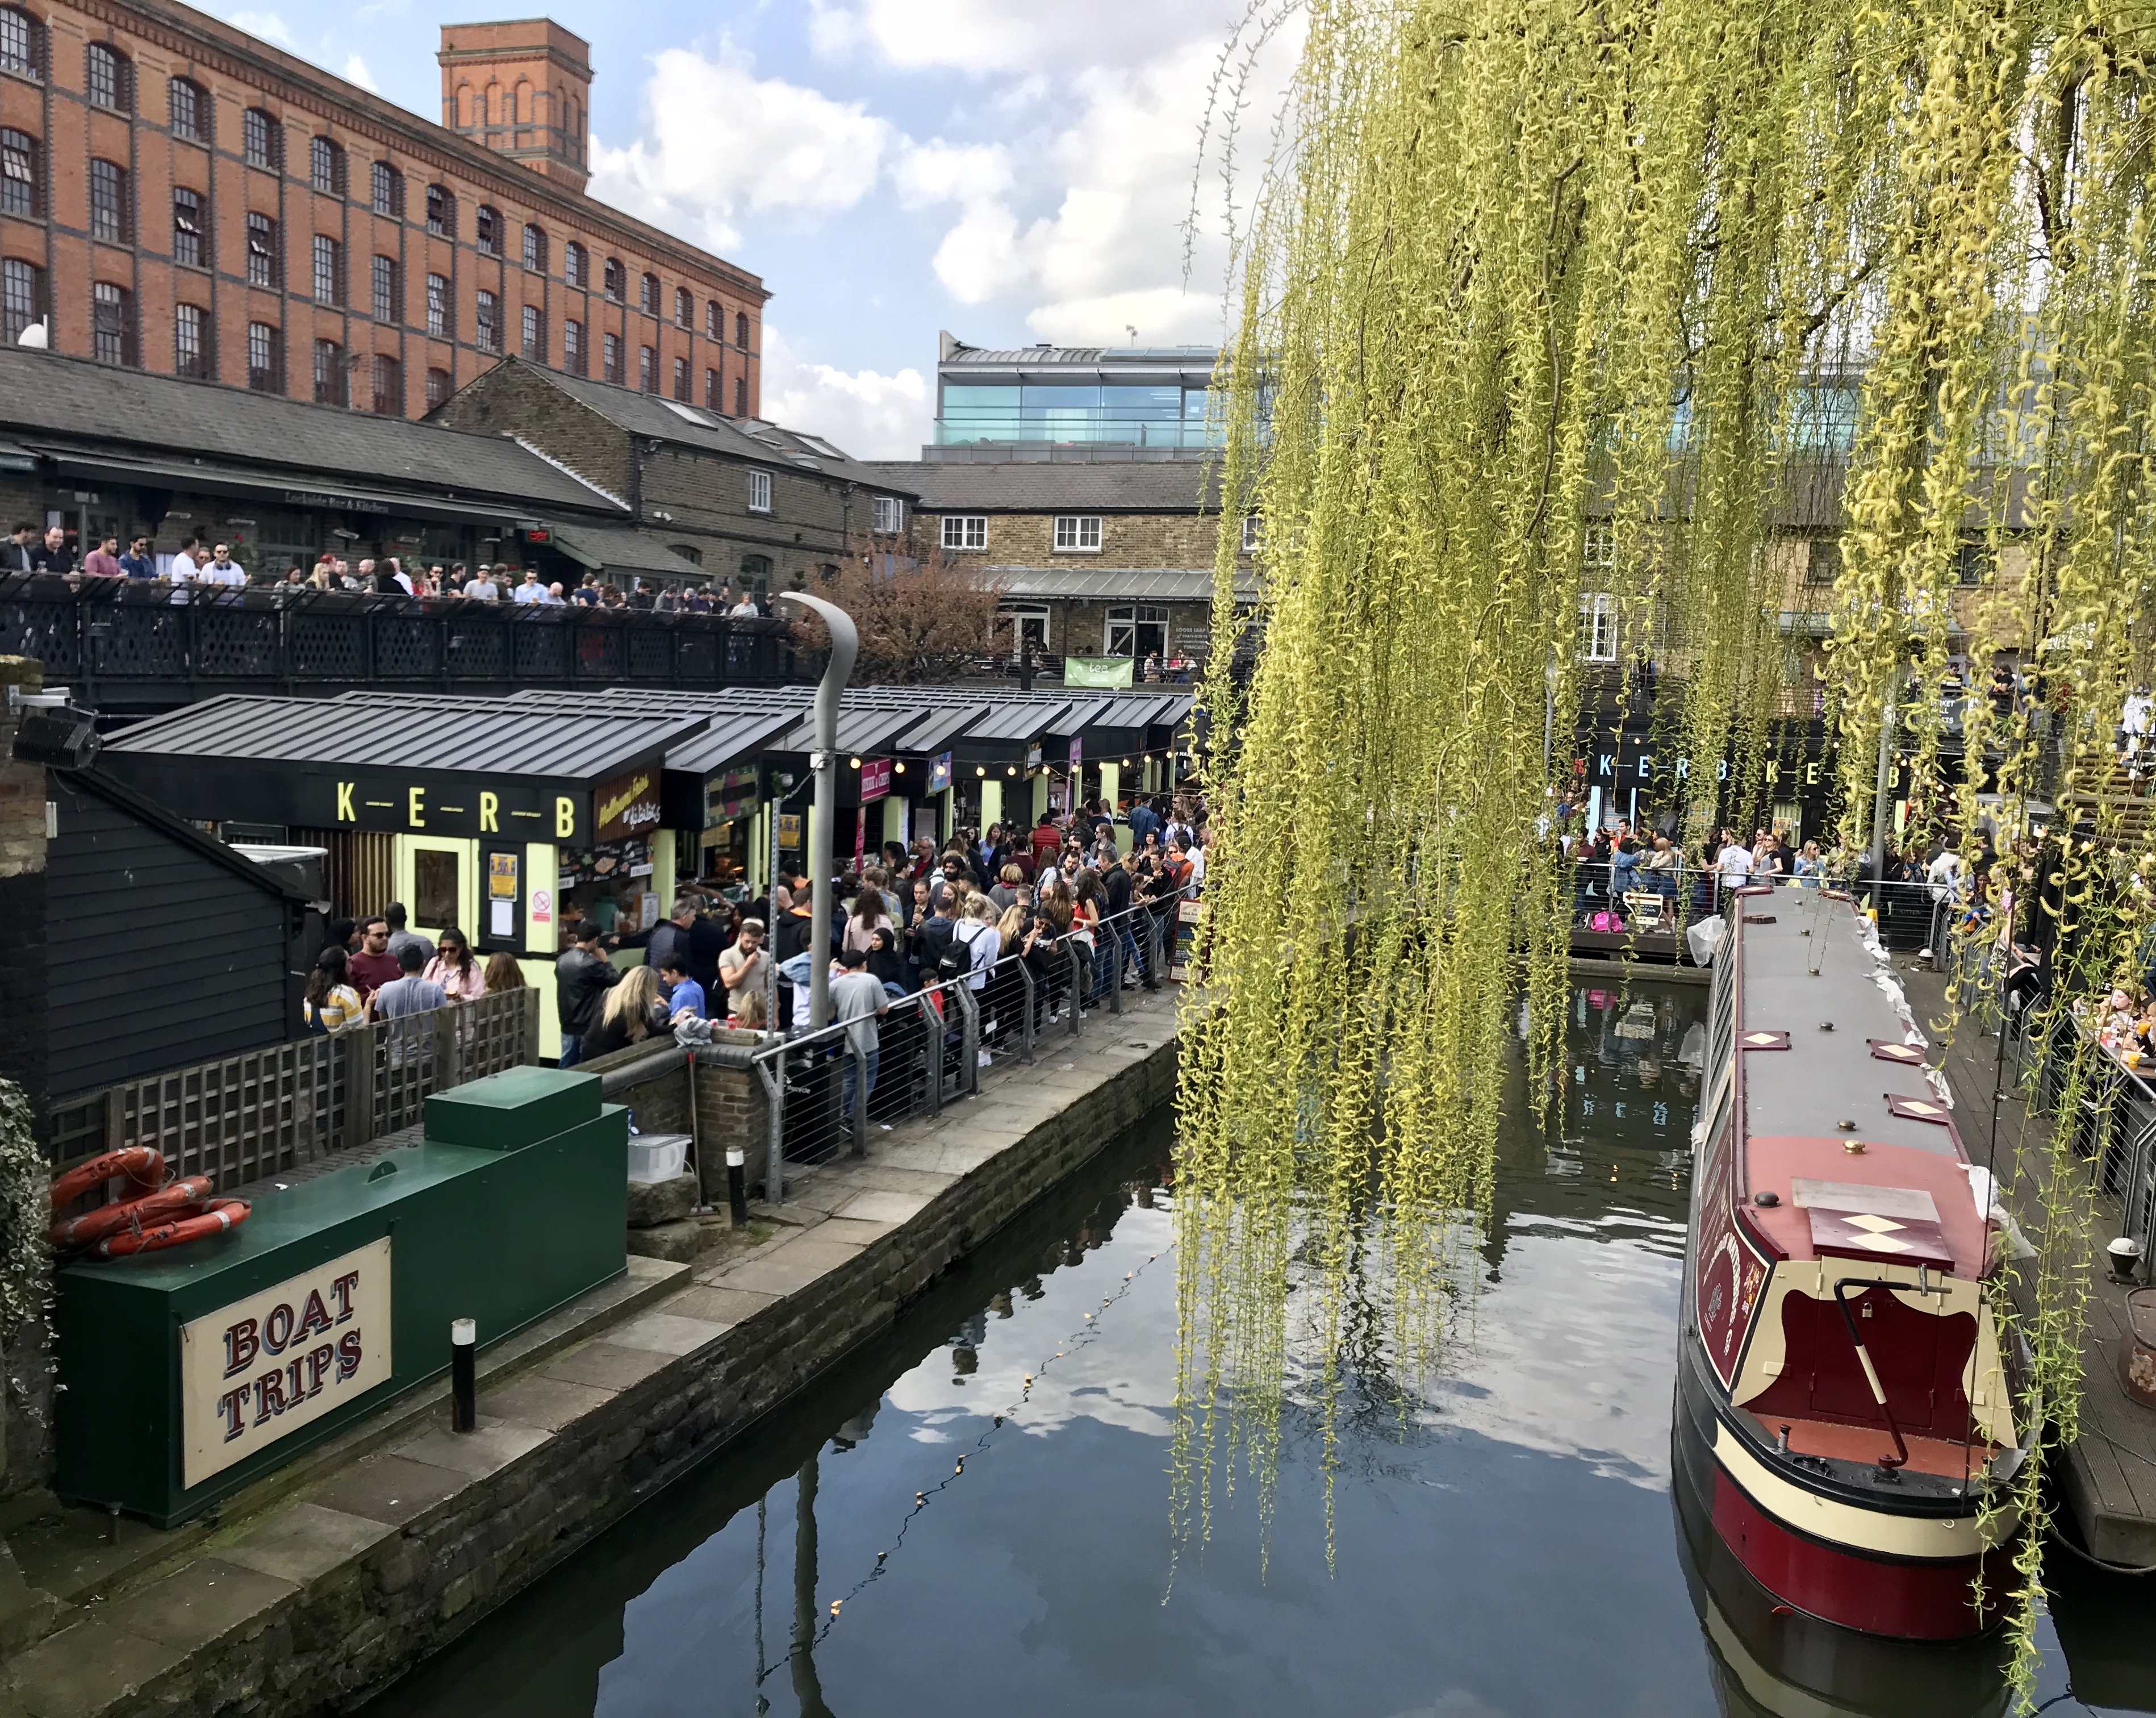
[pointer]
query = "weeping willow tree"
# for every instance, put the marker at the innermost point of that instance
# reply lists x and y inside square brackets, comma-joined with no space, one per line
[1650,284]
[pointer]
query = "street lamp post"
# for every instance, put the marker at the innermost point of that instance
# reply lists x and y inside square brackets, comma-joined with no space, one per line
[846,645]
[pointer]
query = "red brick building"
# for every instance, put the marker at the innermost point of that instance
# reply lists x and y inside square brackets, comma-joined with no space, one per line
[178,196]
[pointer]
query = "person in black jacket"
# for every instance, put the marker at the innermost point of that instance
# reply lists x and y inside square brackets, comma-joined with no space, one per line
[671,938]
[582,978]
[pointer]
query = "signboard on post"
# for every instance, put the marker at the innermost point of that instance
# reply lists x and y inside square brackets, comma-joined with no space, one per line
[261,1368]
[939,772]
[875,780]
[789,830]
[626,806]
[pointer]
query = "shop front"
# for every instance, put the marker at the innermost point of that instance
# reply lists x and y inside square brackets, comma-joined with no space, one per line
[507,822]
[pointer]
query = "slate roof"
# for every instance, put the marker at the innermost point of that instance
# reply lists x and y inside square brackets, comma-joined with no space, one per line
[750,438]
[1045,486]
[616,547]
[53,398]
[1116,585]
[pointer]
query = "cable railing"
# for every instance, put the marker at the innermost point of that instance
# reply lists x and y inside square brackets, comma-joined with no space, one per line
[1636,902]
[827,1089]
[136,636]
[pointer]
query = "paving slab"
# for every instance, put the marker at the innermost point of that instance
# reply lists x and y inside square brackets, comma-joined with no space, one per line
[200,1603]
[606,1365]
[486,1450]
[390,1488]
[304,1540]
[82,1670]
[717,1304]
[789,1269]
[549,1403]
[666,1332]
[855,1231]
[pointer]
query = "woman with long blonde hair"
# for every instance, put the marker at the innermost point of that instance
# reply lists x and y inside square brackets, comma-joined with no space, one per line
[634,1010]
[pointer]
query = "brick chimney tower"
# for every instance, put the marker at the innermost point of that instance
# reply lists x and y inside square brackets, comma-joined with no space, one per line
[522,88]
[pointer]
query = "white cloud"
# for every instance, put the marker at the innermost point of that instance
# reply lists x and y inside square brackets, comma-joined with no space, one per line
[268,25]
[936,172]
[720,142]
[995,37]
[356,72]
[870,415]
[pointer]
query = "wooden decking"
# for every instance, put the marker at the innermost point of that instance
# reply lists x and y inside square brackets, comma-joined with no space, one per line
[2108,1477]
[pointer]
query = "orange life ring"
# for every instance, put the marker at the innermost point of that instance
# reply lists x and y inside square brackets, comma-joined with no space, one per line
[143,1165]
[174,1199]
[215,1217]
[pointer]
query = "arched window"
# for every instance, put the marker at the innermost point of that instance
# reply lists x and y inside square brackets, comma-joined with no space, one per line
[326,167]
[441,211]
[647,295]
[188,105]
[575,264]
[22,43]
[684,308]
[617,279]
[535,248]
[387,186]
[740,331]
[486,231]
[263,139]
[21,175]
[715,321]
[109,79]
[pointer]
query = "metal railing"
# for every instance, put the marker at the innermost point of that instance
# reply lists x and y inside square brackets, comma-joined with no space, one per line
[134,635]
[1642,902]
[827,1089]
[266,1111]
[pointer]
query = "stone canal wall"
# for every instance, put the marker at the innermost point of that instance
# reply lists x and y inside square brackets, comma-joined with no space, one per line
[317,1600]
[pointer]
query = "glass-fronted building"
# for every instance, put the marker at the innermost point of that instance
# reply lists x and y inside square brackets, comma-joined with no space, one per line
[1074,396]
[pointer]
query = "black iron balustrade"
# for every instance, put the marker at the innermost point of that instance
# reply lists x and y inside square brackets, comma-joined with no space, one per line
[144,643]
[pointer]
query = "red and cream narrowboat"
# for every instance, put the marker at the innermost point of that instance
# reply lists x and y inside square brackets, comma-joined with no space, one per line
[1842,1395]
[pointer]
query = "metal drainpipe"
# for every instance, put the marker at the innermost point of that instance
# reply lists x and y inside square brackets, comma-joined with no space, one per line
[846,645]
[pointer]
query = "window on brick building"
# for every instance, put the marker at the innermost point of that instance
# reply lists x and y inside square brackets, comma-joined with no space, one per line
[438,308]
[965,531]
[1078,533]
[535,248]
[684,308]
[190,340]
[715,321]
[575,264]
[388,293]
[647,369]
[714,397]
[486,331]
[265,358]
[108,77]
[108,202]
[740,396]
[111,324]
[21,43]
[329,374]
[681,380]
[438,389]
[1251,534]
[740,331]
[617,279]
[261,139]
[759,491]
[385,189]
[388,387]
[486,231]
[329,270]
[187,103]
[572,347]
[21,186]
[647,295]
[262,269]
[326,167]
[190,242]
[887,515]
[22,297]
[441,211]
[535,333]
[610,358]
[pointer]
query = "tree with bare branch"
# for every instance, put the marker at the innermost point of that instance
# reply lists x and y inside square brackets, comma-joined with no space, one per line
[921,618]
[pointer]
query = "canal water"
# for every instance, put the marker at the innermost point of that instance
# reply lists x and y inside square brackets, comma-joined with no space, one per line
[927,1531]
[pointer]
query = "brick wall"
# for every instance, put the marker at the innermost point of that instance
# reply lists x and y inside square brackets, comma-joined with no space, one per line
[510,400]
[1180,539]
[237,72]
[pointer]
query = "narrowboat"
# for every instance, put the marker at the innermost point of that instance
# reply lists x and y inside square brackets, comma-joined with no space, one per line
[1844,1382]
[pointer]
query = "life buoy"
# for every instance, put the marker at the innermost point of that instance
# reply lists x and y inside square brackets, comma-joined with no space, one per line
[215,1217]
[174,1199]
[143,1165]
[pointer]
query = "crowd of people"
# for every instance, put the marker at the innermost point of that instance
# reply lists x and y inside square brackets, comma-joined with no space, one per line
[1615,866]
[378,968]
[29,550]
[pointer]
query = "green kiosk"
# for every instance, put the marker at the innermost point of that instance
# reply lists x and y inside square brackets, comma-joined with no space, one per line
[186,1374]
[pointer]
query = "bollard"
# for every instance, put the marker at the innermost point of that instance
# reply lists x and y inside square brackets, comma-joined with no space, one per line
[463,1375]
[737,1185]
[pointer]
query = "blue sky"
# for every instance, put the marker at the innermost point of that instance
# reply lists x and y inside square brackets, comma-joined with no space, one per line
[1011,170]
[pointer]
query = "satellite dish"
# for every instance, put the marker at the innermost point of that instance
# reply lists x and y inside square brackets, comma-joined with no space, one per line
[36,335]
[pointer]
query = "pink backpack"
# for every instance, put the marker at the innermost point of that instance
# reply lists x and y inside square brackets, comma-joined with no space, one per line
[1606,921]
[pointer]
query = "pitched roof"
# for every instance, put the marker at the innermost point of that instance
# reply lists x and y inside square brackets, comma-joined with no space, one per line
[752,438]
[175,421]
[1116,584]
[1043,486]
[618,548]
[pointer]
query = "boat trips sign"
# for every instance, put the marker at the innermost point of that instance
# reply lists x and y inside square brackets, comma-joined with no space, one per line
[259,1370]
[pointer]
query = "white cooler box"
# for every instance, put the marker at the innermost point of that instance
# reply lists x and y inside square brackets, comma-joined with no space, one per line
[657,1157]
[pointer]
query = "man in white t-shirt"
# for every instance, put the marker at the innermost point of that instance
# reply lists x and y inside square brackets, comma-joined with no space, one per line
[221,569]
[1733,863]
[183,566]
[481,585]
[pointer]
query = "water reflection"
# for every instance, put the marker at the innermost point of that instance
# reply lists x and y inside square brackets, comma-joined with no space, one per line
[972,1514]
